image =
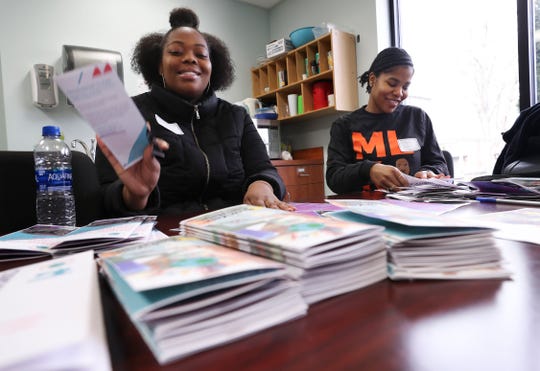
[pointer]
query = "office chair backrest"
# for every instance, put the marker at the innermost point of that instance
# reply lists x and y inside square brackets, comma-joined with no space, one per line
[18,190]
[86,188]
[449,162]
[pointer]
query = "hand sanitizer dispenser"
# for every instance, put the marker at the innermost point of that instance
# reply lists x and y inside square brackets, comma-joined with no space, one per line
[44,90]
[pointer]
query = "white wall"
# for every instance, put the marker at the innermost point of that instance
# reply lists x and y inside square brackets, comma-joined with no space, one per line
[33,31]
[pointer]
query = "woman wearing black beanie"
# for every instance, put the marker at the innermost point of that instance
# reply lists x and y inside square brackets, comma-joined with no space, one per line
[373,146]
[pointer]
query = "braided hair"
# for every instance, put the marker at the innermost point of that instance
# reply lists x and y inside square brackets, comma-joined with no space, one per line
[148,51]
[385,61]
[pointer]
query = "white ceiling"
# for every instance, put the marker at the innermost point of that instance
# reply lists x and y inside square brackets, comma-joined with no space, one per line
[267,4]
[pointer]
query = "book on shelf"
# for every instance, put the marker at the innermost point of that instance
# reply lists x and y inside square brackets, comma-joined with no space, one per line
[185,295]
[52,316]
[44,240]
[427,245]
[328,257]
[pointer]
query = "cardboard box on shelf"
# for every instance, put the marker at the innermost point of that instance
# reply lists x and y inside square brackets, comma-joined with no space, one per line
[278,47]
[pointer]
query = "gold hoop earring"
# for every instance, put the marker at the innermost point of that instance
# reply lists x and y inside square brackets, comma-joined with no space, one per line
[163,80]
[207,88]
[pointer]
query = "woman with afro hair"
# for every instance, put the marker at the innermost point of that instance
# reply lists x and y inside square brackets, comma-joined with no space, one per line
[213,154]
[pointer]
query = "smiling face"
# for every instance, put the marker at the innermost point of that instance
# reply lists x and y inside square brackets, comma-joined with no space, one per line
[185,64]
[389,89]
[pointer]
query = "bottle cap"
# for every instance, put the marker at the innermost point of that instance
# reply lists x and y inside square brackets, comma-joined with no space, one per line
[50,131]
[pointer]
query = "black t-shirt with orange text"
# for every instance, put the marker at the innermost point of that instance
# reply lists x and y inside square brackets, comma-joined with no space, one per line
[403,138]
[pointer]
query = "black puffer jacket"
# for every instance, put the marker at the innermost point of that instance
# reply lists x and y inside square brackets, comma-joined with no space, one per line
[522,143]
[215,153]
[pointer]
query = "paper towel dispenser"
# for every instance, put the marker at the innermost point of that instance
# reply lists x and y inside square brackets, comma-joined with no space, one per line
[78,56]
[74,57]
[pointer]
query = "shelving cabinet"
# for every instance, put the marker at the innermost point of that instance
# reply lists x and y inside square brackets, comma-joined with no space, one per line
[303,176]
[291,73]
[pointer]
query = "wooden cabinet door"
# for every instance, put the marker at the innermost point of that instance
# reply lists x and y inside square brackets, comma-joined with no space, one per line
[306,192]
[304,183]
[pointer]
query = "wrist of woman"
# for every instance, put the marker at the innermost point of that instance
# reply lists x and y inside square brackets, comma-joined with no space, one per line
[133,201]
[265,183]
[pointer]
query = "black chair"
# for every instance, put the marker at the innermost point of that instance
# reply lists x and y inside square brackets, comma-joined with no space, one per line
[527,166]
[449,162]
[18,190]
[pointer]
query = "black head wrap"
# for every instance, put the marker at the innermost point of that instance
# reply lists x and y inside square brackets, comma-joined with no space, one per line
[386,59]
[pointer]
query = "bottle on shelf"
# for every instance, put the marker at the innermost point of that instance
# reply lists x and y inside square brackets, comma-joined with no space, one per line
[55,202]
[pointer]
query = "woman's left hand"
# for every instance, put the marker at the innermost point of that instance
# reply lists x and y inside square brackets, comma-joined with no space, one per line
[261,193]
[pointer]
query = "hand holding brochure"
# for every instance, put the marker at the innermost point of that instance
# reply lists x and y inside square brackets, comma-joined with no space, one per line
[99,96]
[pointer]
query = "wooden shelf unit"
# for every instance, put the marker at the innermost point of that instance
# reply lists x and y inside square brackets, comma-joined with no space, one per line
[342,45]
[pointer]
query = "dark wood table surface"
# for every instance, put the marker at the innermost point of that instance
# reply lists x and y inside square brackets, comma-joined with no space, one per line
[406,325]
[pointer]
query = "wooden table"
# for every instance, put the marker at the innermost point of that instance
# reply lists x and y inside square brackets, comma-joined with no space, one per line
[418,325]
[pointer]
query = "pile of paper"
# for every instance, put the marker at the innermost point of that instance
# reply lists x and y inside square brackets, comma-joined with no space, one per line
[517,188]
[427,245]
[52,316]
[432,190]
[328,257]
[446,191]
[42,240]
[185,295]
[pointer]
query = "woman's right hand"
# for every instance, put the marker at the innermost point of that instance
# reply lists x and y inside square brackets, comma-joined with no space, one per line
[387,177]
[139,179]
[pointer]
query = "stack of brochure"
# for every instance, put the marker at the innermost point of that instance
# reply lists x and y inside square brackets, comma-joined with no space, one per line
[427,245]
[328,257]
[445,191]
[43,240]
[515,188]
[432,190]
[52,316]
[185,295]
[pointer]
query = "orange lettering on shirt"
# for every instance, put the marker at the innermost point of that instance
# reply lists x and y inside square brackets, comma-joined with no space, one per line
[361,145]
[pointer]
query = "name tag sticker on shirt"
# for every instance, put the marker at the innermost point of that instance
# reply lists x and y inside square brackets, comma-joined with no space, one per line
[408,144]
[172,126]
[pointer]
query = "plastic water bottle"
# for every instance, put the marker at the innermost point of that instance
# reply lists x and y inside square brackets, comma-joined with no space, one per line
[55,203]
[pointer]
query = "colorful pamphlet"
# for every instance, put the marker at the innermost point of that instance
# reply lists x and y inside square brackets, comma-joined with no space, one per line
[424,247]
[43,240]
[98,94]
[185,295]
[328,257]
[52,316]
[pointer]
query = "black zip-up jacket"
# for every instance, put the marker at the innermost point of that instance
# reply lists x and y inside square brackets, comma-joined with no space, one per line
[215,153]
